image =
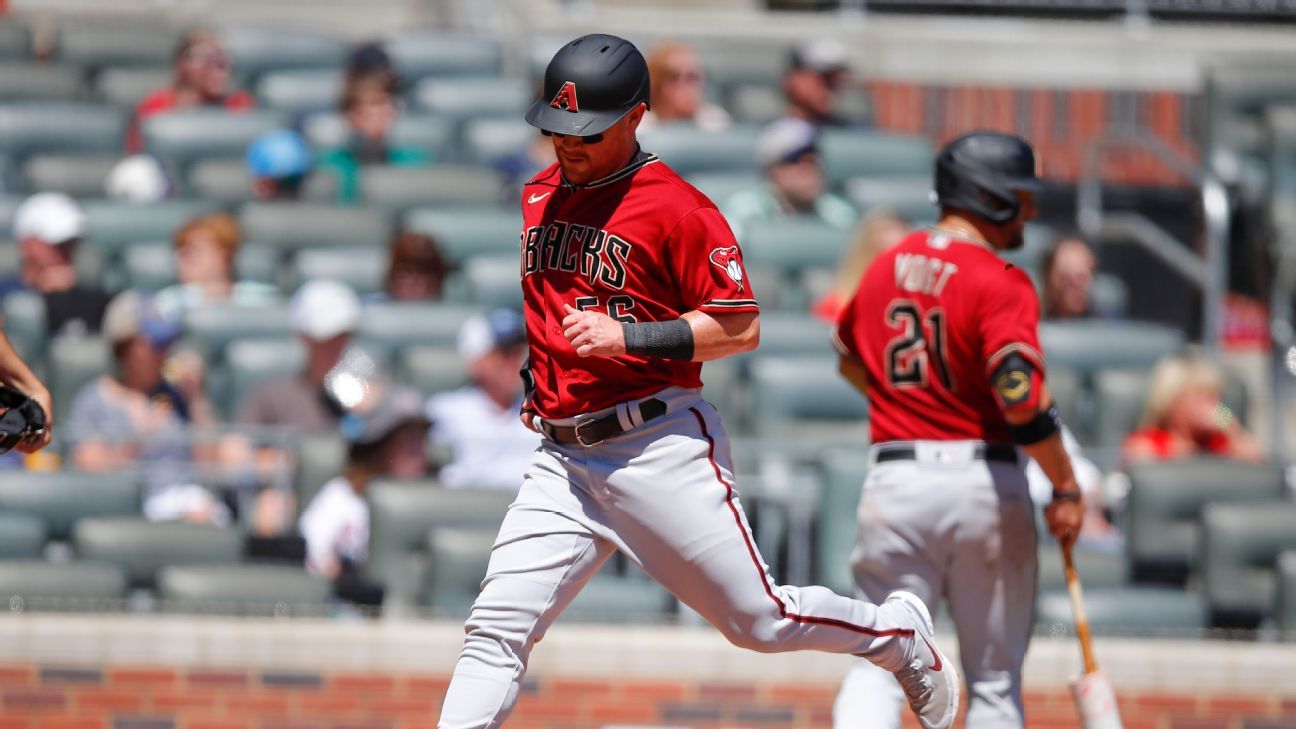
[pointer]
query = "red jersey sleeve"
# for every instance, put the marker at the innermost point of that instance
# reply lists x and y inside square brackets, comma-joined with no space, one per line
[707,264]
[844,335]
[1009,320]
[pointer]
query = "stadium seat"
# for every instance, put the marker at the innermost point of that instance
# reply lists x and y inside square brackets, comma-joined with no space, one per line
[391,326]
[15,41]
[610,599]
[259,50]
[486,141]
[24,323]
[93,46]
[848,153]
[1118,395]
[908,195]
[112,225]
[250,362]
[300,92]
[1109,295]
[472,98]
[78,175]
[461,234]
[1066,388]
[126,87]
[243,589]
[320,457]
[793,244]
[149,266]
[723,387]
[143,547]
[61,585]
[491,281]
[399,187]
[291,226]
[59,127]
[22,536]
[731,63]
[1286,607]
[430,369]
[60,499]
[211,328]
[689,150]
[720,186]
[1240,545]
[1086,345]
[227,181]
[1129,611]
[419,53]
[432,135]
[793,335]
[1097,570]
[842,481]
[362,268]
[457,559]
[72,362]
[756,103]
[805,398]
[1165,504]
[179,138]
[23,81]
[401,515]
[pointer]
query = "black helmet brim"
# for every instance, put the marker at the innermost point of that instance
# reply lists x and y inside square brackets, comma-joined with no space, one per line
[544,116]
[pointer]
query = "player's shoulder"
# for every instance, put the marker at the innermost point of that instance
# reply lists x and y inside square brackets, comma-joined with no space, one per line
[665,184]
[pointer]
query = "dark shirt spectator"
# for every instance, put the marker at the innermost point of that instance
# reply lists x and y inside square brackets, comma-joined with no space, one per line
[48,227]
[417,270]
[370,107]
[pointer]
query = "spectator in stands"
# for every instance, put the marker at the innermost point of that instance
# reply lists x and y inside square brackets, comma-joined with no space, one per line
[202,78]
[325,314]
[678,93]
[418,269]
[1183,416]
[788,152]
[48,227]
[816,72]
[519,167]
[877,231]
[135,417]
[371,58]
[138,178]
[478,424]
[370,106]
[386,438]
[279,162]
[205,249]
[1069,268]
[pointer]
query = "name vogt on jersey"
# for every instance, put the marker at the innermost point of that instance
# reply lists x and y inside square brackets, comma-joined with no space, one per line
[592,253]
[921,274]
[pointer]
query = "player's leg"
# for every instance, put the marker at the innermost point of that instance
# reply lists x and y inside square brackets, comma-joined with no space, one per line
[897,548]
[545,553]
[991,593]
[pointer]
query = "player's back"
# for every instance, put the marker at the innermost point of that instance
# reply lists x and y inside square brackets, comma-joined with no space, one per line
[931,318]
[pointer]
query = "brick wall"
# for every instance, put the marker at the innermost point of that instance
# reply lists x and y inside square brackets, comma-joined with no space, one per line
[161,697]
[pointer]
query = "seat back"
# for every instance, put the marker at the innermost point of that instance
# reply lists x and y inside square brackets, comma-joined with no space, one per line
[126,86]
[805,397]
[60,127]
[25,81]
[95,45]
[853,153]
[113,225]
[212,328]
[363,268]
[464,233]
[259,50]
[487,140]
[1286,607]
[1240,545]
[419,53]
[490,281]
[179,138]
[291,226]
[243,589]
[430,368]
[251,362]
[791,244]
[457,559]
[78,175]
[400,187]
[474,97]
[22,536]
[842,480]
[62,499]
[320,457]
[301,91]
[1087,345]
[227,180]
[37,584]
[689,150]
[72,363]
[142,548]
[1128,611]
[394,325]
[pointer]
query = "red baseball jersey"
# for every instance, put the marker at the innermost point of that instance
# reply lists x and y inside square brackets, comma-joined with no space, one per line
[932,319]
[639,245]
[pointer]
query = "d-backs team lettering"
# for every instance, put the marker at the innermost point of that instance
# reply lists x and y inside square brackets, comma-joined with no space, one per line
[593,253]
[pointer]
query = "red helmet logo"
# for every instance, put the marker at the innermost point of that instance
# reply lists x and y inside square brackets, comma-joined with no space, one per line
[566,98]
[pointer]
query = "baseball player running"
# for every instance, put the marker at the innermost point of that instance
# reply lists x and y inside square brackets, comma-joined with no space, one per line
[941,337]
[632,279]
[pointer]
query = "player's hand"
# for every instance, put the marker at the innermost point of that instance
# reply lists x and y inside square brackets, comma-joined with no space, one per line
[528,418]
[592,333]
[1065,517]
[37,442]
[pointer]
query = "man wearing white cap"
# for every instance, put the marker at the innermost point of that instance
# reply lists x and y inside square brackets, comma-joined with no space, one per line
[324,314]
[48,226]
[490,447]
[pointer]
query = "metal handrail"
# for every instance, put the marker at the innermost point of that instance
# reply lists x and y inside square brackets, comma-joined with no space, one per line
[1208,271]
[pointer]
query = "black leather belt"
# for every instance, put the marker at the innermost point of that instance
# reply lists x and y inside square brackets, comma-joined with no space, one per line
[982,452]
[596,430]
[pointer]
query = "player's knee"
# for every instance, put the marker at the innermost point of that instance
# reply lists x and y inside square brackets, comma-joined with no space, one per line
[757,631]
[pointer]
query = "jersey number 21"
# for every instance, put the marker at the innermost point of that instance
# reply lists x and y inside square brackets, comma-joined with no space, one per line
[920,345]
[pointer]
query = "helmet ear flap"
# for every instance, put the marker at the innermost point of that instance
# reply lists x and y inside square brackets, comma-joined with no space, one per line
[958,186]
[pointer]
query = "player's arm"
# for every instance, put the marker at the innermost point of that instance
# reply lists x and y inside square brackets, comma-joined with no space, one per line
[697,336]
[851,368]
[15,373]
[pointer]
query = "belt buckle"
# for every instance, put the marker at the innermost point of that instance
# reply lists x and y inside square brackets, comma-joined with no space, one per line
[579,430]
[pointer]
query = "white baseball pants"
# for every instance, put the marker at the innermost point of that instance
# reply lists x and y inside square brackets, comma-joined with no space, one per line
[664,495]
[949,526]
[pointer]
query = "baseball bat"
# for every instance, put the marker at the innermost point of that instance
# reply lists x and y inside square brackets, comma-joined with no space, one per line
[1095,699]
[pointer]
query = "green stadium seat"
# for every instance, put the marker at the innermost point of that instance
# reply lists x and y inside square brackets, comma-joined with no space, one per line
[1119,395]
[722,386]
[362,268]
[15,41]
[720,186]
[143,547]
[794,244]
[112,225]
[909,195]
[62,585]
[419,53]
[456,564]
[491,281]
[1091,344]
[149,266]
[259,50]
[474,97]
[250,362]
[24,323]
[179,138]
[1165,504]
[320,457]
[461,234]
[1109,295]
[806,398]
[95,45]
[227,181]
[60,499]
[488,140]
[22,536]
[78,175]
[1128,611]
[430,368]
[73,362]
[300,92]
[24,81]
[730,63]
[400,324]
[792,335]
[1286,607]
[689,150]
[612,599]
[1240,545]
[844,471]
[243,589]
[59,127]
[125,87]
[851,153]
[212,328]
[401,187]
[756,103]
[1096,569]
[1066,388]
[291,226]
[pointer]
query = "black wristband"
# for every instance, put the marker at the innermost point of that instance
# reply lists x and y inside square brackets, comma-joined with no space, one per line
[1072,495]
[1038,428]
[665,339]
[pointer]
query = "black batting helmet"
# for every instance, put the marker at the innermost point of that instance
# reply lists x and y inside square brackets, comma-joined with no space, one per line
[589,85]
[981,172]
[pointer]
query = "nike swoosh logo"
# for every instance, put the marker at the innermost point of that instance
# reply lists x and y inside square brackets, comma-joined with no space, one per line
[537,198]
[937,665]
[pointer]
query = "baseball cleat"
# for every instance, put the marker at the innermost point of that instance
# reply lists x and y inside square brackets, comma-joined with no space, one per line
[929,680]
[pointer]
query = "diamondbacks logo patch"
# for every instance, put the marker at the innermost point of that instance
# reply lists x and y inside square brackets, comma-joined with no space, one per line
[727,259]
[565,99]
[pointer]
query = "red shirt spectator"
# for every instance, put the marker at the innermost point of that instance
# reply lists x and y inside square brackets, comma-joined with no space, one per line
[1183,417]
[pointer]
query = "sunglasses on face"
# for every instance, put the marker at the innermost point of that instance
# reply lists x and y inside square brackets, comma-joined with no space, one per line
[689,77]
[208,58]
[591,139]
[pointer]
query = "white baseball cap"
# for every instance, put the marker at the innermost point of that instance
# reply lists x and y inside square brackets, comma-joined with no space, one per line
[49,216]
[324,309]
[786,140]
[495,329]
[138,178]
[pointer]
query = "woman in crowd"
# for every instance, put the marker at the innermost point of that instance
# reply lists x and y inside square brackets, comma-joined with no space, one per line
[418,269]
[678,91]
[205,252]
[1183,416]
[201,79]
